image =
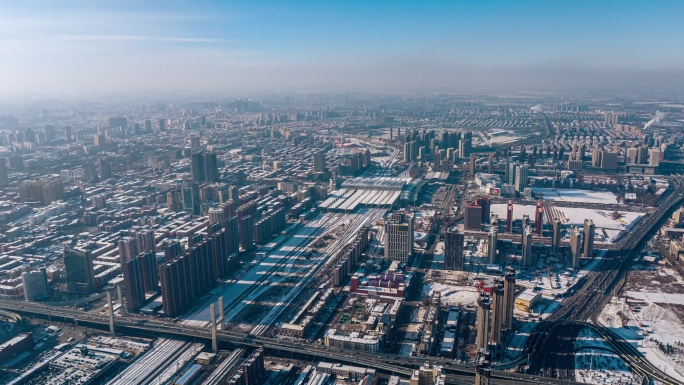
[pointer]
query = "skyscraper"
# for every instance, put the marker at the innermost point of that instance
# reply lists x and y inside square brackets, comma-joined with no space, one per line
[520,178]
[211,167]
[539,218]
[191,198]
[509,298]
[556,238]
[575,247]
[319,162]
[147,261]
[3,172]
[246,234]
[105,169]
[527,257]
[493,245]
[497,312]
[128,248]
[483,305]
[197,167]
[472,219]
[589,234]
[133,283]
[399,237]
[35,284]
[80,276]
[453,250]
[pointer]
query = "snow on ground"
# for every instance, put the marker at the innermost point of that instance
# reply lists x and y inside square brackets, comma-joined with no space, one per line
[575,216]
[514,347]
[596,364]
[575,195]
[453,295]
[651,317]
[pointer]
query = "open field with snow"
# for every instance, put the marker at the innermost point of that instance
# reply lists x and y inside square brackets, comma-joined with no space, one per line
[596,364]
[609,225]
[650,314]
[576,196]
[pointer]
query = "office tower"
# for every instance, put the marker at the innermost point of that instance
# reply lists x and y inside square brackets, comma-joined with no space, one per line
[493,245]
[232,237]
[490,163]
[319,162]
[147,261]
[509,216]
[80,276]
[527,258]
[35,285]
[589,234]
[211,167]
[520,178]
[539,218]
[133,283]
[145,240]
[128,248]
[4,179]
[473,164]
[472,219]
[556,237]
[246,232]
[486,204]
[148,125]
[197,167]
[483,305]
[497,312]
[105,169]
[575,247]
[399,237]
[191,198]
[509,298]
[453,250]
[642,155]
[162,124]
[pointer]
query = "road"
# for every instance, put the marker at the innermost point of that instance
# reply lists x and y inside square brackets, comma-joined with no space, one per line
[544,345]
[403,365]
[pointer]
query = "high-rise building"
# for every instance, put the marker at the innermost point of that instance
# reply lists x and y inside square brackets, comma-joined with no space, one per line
[453,250]
[609,160]
[497,312]
[509,298]
[575,247]
[145,240]
[493,250]
[162,124]
[472,219]
[232,236]
[234,193]
[527,258]
[105,169]
[510,173]
[319,162]
[80,275]
[35,284]
[172,249]
[520,178]
[197,167]
[147,261]
[191,198]
[4,180]
[482,338]
[245,231]
[399,237]
[211,167]
[539,218]
[509,216]
[216,215]
[128,249]
[589,234]
[133,284]
[556,237]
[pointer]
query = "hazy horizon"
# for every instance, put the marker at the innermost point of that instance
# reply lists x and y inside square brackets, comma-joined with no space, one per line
[78,48]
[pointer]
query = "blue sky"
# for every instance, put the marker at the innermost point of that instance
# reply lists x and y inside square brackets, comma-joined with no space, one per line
[229,47]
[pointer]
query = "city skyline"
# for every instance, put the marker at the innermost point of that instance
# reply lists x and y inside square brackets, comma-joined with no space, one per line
[80,49]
